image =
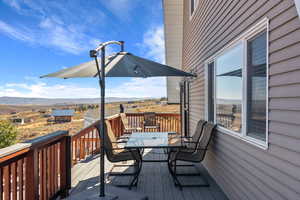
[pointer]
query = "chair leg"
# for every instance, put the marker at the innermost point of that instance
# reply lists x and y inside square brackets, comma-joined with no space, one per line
[136,176]
[180,185]
[120,173]
[134,181]
[175,179]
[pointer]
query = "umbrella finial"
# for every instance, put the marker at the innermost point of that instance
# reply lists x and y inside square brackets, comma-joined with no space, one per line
[93,53]
[122,45]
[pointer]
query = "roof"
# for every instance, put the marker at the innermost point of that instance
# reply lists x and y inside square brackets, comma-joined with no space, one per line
[58,113]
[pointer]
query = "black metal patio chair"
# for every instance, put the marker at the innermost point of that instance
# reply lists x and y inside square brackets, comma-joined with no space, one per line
[115,153]
[127,128]
[191,154]
[191,141]
[150,121]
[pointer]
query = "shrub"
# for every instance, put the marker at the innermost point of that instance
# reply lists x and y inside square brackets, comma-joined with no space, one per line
[8,134]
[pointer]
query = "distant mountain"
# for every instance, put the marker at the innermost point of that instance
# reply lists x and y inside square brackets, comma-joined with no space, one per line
[46,101]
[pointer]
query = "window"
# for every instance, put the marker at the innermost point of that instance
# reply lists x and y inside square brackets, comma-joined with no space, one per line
[193,6]
[210,92]
[237,85]
[229,89]
[257,87]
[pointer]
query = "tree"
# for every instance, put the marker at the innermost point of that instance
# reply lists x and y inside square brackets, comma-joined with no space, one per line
[8,133]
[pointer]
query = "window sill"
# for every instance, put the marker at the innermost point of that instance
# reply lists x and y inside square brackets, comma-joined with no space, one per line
[252,141]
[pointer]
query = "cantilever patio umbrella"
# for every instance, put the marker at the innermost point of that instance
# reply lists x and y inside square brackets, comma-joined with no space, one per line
[122,64]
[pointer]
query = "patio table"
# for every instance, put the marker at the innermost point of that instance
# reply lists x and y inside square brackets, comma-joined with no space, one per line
[154,140]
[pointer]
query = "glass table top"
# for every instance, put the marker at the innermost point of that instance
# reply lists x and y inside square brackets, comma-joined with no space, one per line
[153,140]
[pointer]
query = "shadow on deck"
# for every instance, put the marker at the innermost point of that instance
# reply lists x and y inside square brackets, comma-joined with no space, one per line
[155,180]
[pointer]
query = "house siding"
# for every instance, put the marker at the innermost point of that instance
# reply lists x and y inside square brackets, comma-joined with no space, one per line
[243,170]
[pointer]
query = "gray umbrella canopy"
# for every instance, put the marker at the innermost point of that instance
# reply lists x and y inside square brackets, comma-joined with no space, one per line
[122,64]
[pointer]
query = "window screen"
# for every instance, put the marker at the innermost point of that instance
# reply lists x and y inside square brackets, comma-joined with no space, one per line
[192,6]
[210,94]
[257,87]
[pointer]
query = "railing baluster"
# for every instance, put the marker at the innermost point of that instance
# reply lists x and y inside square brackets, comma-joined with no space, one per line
[14,180]
[65,165]
[6,184]
[56,167]
[43,174]
[21,178]
[1,183]
[31,176]
[48,173]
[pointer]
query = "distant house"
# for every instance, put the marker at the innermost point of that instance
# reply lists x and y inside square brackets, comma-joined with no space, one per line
[61,116]
[42,111]
[21,121]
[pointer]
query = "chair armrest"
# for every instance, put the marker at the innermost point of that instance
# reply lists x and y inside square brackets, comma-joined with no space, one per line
[119,142]
[182,137]
[117,148]
[193,142]
[202,149]
[123,137]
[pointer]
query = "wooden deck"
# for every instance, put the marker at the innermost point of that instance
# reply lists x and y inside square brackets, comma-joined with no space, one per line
[155,180]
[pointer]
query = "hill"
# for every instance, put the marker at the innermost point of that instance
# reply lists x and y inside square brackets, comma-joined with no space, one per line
[48,101]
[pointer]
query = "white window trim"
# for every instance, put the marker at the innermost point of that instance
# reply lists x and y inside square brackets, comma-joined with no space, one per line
[196,3]
[253,31]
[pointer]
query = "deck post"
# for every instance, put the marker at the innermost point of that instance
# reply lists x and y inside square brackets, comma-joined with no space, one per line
[32,175]
[65,165]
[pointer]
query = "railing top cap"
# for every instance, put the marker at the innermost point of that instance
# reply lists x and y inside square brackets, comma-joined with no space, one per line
[13,149]
[30,143]
[46,137]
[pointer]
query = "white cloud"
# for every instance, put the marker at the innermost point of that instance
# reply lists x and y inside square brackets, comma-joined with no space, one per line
[53,34]
[57,25]
[136,87]
[154,43]
[15,33]
[121,8]
[12,3]
[67,38]
[44,90]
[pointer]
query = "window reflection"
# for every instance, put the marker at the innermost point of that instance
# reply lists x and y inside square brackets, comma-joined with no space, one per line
[229,89]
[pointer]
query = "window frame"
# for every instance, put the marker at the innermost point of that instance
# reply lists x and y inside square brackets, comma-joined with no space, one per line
[196,3]
[254,31]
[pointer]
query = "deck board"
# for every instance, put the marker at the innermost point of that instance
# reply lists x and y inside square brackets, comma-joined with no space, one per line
[155,180]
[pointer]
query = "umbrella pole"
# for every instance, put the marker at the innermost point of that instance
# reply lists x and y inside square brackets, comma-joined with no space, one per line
[102,121]
[101,75]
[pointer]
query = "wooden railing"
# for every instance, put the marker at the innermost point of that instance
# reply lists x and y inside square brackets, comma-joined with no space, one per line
[168,122]
[37,169]
[41,168]
[86,142]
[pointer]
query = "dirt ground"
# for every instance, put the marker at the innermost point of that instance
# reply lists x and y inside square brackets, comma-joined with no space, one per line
[39,116]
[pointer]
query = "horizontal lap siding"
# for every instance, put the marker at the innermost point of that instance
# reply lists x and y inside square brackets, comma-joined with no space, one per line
[243,170]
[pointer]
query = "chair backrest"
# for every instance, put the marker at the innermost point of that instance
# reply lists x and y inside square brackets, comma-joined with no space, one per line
[149,119]
[198,131]
[109,138]
[124,120]
[205,138]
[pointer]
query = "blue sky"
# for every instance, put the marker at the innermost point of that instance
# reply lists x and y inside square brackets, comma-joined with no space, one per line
[41,36]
